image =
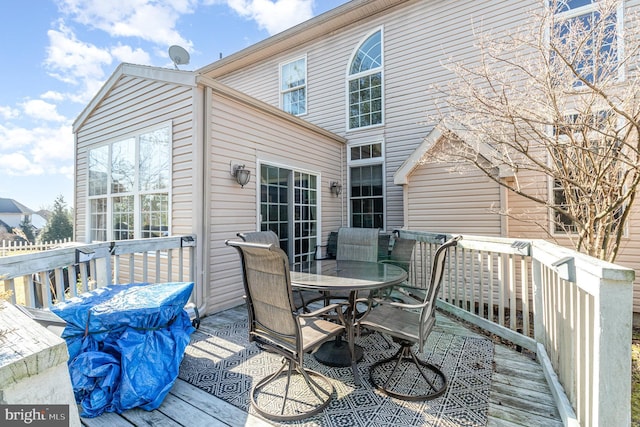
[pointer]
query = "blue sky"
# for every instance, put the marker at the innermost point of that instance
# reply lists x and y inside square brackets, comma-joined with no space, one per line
[56,54]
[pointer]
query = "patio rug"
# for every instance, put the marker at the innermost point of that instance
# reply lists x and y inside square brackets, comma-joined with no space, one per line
[222,362]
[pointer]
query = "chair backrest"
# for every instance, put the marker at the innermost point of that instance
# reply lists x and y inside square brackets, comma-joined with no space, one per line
[383,246]
[428,313]
[332,245]
[401,252]
[269,297]
[357,244]
[267,237]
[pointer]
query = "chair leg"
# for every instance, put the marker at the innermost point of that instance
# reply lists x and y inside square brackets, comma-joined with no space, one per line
[272,402]
[392,384]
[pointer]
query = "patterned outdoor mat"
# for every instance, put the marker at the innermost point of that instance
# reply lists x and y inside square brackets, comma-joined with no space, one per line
[224,363]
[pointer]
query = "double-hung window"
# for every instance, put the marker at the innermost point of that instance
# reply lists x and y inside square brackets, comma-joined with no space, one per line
[365,101]
[128,187]
[293,86]
[366,189]
[582,145]
[588,37]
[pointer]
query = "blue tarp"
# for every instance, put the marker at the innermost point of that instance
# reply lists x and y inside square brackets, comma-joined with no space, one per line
[125,344]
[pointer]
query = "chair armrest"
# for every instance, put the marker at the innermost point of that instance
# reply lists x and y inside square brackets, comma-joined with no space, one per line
[378,301]
[327,308]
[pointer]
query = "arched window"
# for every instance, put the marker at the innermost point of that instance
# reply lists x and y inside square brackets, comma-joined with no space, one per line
[365,83]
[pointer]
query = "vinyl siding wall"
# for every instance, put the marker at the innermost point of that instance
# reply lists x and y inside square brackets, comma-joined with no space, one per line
[132,105]
[418,37]
[243,134]
[442,201]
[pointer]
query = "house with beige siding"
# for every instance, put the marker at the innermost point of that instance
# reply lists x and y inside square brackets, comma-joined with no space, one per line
[346,97]
[154,155]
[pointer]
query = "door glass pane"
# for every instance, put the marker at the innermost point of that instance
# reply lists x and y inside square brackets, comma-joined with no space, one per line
[295,224]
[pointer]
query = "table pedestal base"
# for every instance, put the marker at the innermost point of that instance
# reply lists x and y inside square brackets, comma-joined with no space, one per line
[336,353]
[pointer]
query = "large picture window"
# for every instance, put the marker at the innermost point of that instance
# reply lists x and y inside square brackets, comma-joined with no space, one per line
[366,186]
[293,86]
[365,84]
[128,187]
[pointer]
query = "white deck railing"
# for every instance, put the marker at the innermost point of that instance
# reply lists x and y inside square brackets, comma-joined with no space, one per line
[572,311]
[40,279]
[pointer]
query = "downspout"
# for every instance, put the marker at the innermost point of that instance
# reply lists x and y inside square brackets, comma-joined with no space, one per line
[343,179]
[201,197]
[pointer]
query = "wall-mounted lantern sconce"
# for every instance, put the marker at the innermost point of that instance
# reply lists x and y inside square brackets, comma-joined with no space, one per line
[241,174]
[336,188]
[84,255]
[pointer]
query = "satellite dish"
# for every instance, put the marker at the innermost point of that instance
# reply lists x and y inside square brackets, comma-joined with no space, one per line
[178,55]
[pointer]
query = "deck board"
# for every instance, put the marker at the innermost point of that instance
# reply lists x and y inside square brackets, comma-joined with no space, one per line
[519,393]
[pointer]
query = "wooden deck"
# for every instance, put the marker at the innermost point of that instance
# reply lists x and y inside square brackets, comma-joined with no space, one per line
[519,395]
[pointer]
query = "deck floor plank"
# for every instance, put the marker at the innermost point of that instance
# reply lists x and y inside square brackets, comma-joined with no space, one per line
[519,393]
[214,406]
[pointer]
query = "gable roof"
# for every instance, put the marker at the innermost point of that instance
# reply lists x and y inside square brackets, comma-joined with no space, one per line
[443,130]
[13,207]
[333,20]
[185,78]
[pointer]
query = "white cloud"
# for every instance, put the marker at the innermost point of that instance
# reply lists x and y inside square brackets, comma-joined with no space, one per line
[70,59]
[52,147]
[42,110]
[17,164]
[53,96]
[36,151]
[9,113]
[274,16]
[152,20]
[127,54]
[14,138]
[76,63]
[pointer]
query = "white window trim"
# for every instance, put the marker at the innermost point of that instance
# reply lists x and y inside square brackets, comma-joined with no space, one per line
[136,136]
[588,8]
[367,162]
[349,77]
[305,86]
[551,195]
[293,168]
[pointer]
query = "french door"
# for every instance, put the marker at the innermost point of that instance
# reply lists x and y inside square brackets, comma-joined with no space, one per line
[289,207]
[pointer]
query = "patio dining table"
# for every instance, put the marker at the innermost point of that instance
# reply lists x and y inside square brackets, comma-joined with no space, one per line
[344,276]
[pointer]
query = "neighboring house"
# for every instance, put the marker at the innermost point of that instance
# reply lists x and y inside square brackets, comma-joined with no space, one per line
[12,213]
[345,97]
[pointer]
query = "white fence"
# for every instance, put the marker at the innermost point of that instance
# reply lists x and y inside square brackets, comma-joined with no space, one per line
[572,311]
[11,247]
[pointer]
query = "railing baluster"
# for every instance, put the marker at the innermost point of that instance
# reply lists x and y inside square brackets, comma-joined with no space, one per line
[181,265]
[145,267]
[169,265]
[157,275]
[59,285]
[526,327]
